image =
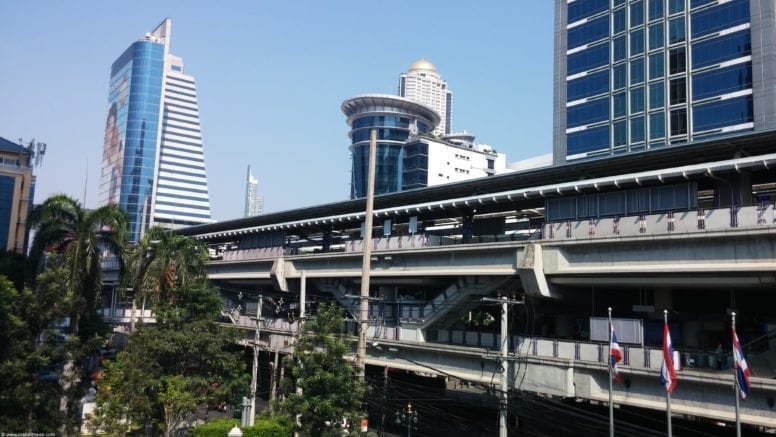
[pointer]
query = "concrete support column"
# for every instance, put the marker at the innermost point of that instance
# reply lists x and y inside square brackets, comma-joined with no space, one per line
[733,190]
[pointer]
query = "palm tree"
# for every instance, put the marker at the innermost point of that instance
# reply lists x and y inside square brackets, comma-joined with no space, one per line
[80,237]
[161,263]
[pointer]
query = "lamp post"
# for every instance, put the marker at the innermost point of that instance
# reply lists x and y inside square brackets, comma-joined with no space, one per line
[408,416]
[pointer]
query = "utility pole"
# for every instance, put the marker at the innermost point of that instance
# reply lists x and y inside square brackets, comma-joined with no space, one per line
[503,412]
[255,370]
[366,260]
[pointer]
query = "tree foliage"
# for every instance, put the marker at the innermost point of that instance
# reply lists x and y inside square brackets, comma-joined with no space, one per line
[32,352]
[325,386]
[185,348]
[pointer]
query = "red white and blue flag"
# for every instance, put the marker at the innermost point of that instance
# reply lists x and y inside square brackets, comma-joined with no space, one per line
[742,370]
[667,372]
[615,354]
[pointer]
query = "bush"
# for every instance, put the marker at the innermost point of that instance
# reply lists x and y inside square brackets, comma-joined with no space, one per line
[265,426]
[215,428]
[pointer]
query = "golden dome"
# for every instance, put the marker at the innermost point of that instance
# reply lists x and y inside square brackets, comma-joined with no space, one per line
[422,65]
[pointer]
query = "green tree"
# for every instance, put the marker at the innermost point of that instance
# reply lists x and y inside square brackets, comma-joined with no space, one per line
[177,401]
[32,353]
[186,347]
[161,263]
[325,385]
[80,236]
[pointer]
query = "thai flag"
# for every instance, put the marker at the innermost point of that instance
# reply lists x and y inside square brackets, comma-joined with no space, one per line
[742,370]
[667,372]
[615,354]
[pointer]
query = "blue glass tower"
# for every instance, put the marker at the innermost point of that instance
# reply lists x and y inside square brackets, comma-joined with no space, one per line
[395,118]
[152,162]
[637,75]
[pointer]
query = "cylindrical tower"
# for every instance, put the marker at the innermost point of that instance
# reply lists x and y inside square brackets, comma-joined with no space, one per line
[395,118]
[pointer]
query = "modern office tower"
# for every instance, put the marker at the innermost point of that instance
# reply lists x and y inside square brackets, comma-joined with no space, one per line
[395,119]
[17,188]
[423,84]
[153,163]
[254,204]
[638,75]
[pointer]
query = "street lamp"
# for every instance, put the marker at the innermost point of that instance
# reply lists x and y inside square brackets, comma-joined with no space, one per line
[408,416]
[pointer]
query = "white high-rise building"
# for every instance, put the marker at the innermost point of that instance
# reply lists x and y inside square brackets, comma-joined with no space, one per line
[153,163]
[254,204]
[423,84]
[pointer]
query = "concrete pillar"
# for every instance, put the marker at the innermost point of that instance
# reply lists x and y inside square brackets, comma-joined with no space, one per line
[733,190]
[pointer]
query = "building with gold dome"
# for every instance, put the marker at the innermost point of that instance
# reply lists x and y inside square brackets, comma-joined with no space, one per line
[423,84]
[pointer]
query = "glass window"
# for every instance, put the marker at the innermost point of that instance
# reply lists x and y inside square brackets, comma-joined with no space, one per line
[696,3]
[675,6]
[588,85]
[676,60]
[620,133]
[655,9]
[678,121]
[657,66]
[720,17]
[619,20]
[676,30]
[657,95]
[619,102]
[586,113]
[722,113]
[588,140]
[656,36]
[657,125]
[585,8]
[588,32]
[678,90]
[637,100]
[637,42]
[620,78]
[637,71]
[636,13]
[637,129]
[587,59]
[619,48]
[721,49]
[721,80]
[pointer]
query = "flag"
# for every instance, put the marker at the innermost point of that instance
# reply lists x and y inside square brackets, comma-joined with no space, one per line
[742,370]
[667,372]
[615,353]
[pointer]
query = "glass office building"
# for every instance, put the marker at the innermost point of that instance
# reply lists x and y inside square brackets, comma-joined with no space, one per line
[638,75]
[153,160]
[396,118]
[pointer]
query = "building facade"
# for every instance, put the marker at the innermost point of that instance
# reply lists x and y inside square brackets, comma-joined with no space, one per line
[395,118]
[153,163]
[456,157]
[254,204]
[638,75]
[423,84]
[17,189]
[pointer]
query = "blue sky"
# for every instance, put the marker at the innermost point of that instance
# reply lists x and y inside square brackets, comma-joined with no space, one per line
[271,77]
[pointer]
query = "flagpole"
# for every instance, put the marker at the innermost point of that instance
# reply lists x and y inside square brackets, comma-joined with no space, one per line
[738,388]
[668,393]
[611,406]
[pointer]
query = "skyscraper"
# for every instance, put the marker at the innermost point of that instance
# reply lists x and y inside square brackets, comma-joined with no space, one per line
[254,204]
[638,75]
[423,84]
[153,163]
